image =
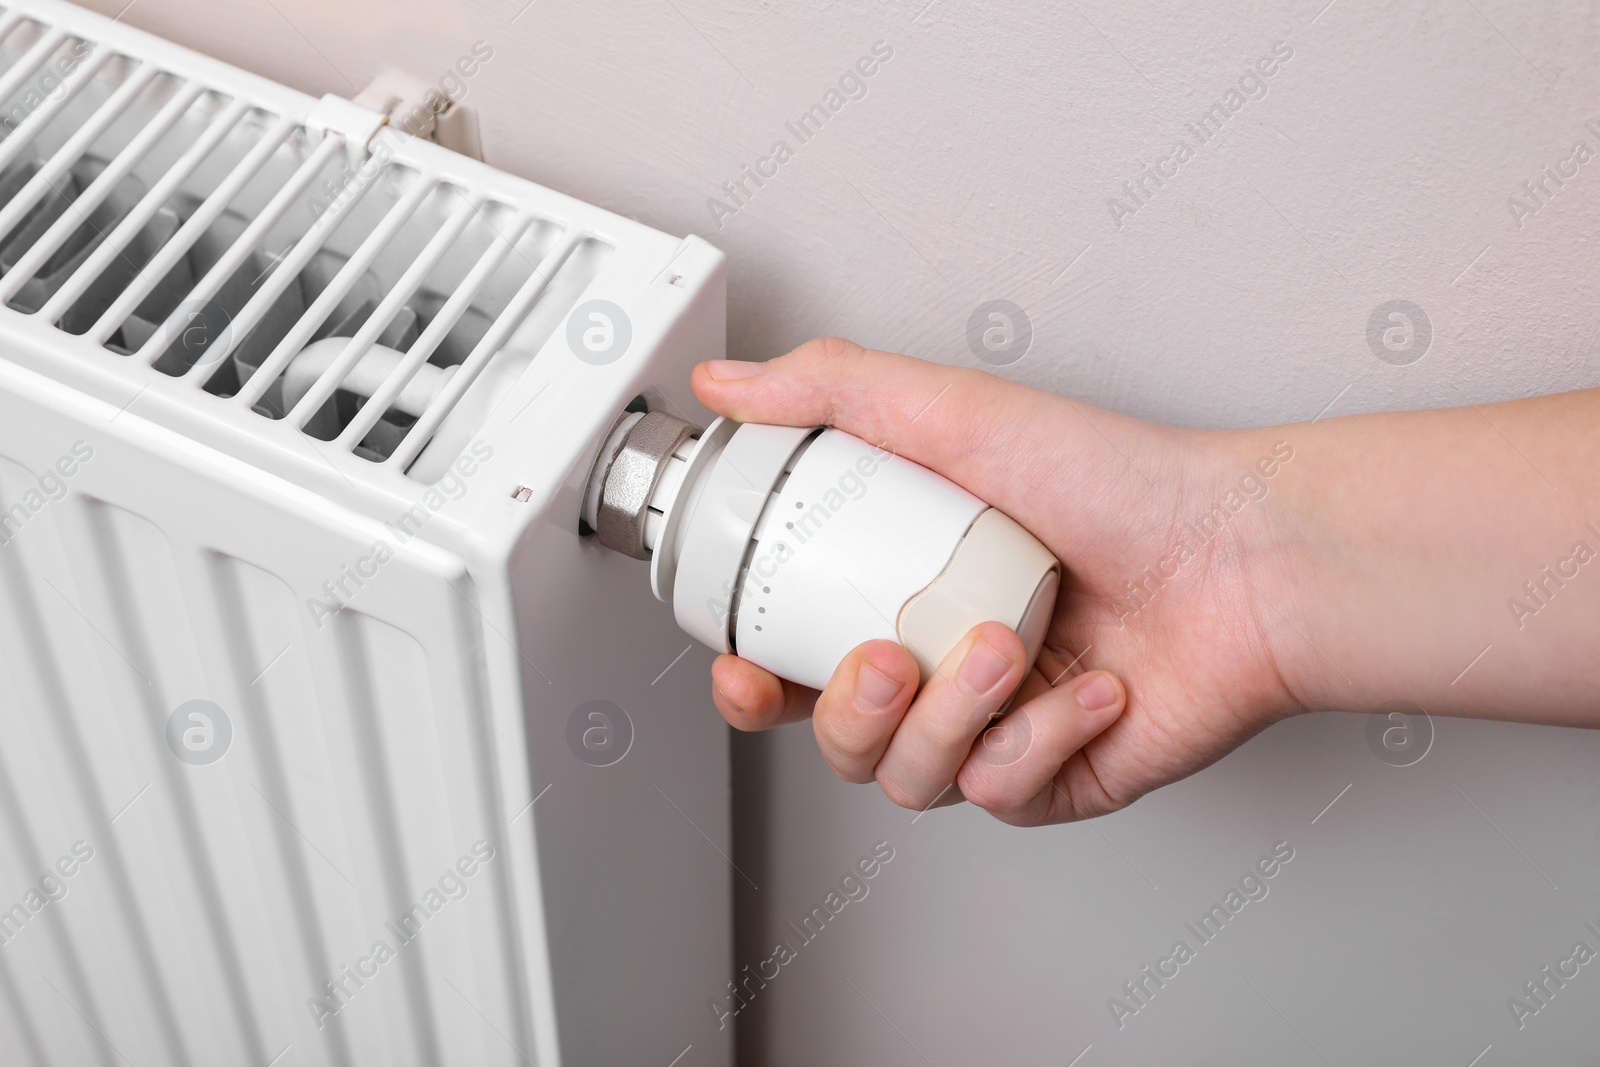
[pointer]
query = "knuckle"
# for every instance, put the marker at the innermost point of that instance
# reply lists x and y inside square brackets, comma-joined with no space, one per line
[998,798]
[988,793]
[899,794]
[1024,816]
[954,732]
[833,349]
[984,795]
[855,775]
[851,746]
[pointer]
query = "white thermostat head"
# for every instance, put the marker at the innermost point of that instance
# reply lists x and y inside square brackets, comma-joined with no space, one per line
[790,546]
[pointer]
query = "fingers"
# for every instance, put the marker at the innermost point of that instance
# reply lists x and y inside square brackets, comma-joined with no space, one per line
[753,699]
[940,746]
[1029,769]
[936,734]
[977,429]
[862,707]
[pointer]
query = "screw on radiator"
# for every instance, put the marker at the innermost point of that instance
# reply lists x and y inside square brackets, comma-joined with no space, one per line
[522,492]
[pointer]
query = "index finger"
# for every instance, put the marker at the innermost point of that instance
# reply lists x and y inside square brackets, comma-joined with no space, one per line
[980,431]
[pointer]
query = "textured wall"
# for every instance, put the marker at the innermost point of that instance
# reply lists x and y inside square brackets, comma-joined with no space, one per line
[980,165]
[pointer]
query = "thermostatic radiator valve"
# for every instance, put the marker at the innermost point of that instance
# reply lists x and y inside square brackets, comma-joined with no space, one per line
[791,546]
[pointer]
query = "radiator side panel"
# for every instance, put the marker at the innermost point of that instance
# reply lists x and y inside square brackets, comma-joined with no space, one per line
[634,824]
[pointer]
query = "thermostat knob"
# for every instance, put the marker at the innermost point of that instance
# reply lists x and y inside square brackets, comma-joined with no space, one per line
[790,546]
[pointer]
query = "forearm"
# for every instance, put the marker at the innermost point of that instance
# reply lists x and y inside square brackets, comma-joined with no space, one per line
[1450,558]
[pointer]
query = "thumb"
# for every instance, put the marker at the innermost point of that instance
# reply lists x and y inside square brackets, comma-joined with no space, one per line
[1015,447]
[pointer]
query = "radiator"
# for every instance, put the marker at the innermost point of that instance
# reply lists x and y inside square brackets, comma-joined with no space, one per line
[328,738]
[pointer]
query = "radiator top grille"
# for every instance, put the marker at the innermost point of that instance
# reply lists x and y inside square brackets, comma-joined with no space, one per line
[220,238]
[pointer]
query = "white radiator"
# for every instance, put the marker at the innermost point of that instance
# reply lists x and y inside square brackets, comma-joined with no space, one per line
[324,736]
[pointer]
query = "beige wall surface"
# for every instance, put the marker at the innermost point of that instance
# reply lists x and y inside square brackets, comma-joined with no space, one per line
[985,159]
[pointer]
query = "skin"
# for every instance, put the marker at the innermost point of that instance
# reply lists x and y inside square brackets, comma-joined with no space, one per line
[1372,565]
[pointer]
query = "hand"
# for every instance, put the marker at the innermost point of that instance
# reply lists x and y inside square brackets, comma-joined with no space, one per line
[1110,496]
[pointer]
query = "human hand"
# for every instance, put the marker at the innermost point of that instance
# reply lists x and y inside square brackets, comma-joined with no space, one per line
[1184,666]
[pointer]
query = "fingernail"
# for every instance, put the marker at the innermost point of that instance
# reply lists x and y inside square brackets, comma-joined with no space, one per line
[983,668]
[1097,693]
[731,370]
[874,689]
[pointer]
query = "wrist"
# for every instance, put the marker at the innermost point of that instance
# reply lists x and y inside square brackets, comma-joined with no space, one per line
[1273,554]
[1325,589]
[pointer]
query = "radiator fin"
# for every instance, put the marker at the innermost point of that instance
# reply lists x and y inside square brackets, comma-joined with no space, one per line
[223,242]
[339,808]
[39,622]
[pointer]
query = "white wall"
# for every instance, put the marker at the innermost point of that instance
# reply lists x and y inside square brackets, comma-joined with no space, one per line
[978,166]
